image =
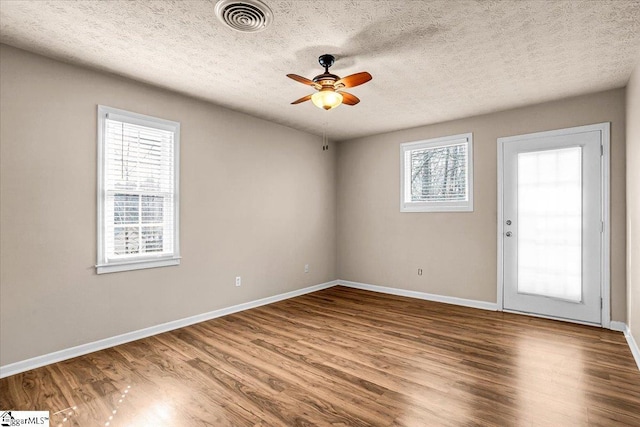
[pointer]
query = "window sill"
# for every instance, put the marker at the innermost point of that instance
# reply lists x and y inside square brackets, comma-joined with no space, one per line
[435,208]
[115,267]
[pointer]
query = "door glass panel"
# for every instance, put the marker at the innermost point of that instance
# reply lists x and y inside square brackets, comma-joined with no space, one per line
[549,227]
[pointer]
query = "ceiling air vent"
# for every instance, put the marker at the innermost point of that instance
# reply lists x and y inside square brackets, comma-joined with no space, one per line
[247,16]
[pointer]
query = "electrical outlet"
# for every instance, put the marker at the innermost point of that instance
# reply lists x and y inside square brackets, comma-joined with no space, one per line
[238,280]
[306,268]
[419,272]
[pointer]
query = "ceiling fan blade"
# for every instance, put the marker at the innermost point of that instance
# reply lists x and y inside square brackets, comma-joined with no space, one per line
[304,98]
[349,99]
[353,80]
[301,79]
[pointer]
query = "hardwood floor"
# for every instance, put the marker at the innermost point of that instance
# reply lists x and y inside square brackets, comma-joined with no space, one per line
[345,357]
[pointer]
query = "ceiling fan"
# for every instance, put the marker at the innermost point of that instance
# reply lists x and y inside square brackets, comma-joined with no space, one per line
[329,86]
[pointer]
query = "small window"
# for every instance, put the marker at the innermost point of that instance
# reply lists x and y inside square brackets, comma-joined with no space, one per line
[437,175]
[137,191]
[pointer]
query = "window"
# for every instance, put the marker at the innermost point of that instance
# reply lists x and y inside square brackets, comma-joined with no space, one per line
[437,175]
[137,191]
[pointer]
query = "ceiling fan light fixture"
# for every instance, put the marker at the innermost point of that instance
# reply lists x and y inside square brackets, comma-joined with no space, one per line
[326,99]
[329,86]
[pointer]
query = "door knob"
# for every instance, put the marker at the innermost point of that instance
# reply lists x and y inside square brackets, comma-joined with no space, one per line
[508,234]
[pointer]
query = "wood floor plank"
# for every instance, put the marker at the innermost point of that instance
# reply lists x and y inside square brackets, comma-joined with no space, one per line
[346,357]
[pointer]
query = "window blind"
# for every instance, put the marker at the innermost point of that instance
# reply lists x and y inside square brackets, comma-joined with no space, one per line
[439,174]
[139,190]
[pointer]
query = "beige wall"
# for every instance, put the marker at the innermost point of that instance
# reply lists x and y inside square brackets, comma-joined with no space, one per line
[633,203]
[457,251]
[258,200]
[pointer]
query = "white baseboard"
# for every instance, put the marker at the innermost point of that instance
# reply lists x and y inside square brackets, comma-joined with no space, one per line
[633,345]
[492,306]
[617,326]
[58,356]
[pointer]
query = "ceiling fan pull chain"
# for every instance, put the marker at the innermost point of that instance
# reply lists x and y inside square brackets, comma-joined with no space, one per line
[327,127]
[325,141]
[324,138]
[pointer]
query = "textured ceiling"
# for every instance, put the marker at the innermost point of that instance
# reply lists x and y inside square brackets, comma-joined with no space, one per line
[431,61]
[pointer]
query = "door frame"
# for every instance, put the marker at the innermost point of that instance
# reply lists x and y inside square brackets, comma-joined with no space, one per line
[605,261]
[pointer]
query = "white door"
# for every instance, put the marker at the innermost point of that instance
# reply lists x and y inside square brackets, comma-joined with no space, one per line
[552,223]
